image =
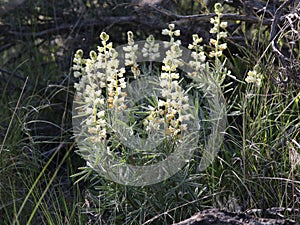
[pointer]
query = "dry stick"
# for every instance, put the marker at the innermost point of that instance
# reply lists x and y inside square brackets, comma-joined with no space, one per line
[13,116]
[13,74]
[225,16]
[274,36]
[92,22]
[177,19]
[272,210]
[173,209]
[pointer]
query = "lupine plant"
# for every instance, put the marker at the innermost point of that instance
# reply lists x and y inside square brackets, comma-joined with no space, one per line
[101,98]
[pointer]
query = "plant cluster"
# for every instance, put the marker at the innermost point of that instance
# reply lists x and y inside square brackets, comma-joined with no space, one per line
[249,50]
[101,95]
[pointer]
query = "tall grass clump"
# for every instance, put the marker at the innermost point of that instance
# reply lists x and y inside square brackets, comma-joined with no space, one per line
[36,167]
[35,145]
[260,156]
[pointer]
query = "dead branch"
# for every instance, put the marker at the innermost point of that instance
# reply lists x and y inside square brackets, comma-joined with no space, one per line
[104,21]
[274,36]
[4,71]
[179,19]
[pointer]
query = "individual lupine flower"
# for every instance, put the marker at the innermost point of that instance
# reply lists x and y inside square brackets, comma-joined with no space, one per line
[114,81]
[153,122]
[215,21]
[151,49]
[176,111]
[223,46]
[213,30]
[254,77]
[131,54]
[171,33]
[223,25]
[95,122]
[169,111]
[104,37]
[218,8]
[216,29]
[217,54]
[196,43]
[222,34]
[213,41]
[78,62]
[172,59]
[102,84]
[198,55]
[79,71]
[116,96]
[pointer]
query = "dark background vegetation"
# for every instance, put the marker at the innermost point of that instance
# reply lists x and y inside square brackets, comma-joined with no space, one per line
[37,41]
